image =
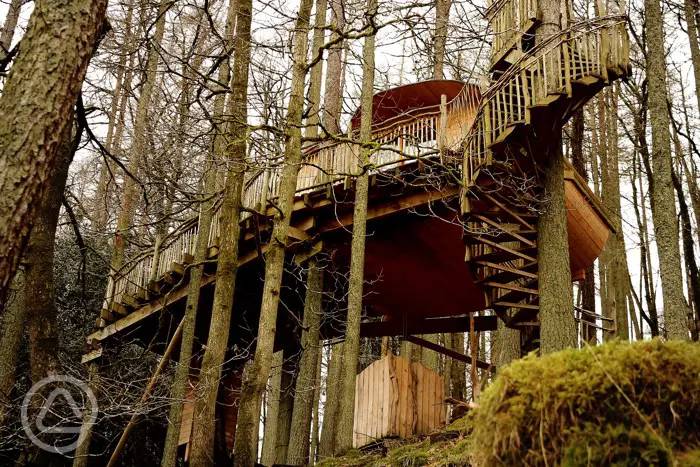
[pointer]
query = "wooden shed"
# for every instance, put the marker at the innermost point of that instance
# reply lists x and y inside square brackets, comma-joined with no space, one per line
[395,397]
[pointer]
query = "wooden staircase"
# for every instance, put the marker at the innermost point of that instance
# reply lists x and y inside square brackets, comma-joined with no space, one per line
[525,102]
[502,255]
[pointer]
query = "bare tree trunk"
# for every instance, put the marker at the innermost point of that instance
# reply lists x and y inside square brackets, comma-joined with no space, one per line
[557,326]
[210,373]
[316,78]
[306,379]
[272,410]
[315,427]
[251,392]
[442,15]
[139,148]
[7,32]
[617,279]
[663,205]
[506,346]
[182,373]
[36,102]
[641,214]
[351,348]
[286,406]
[333,99]
[690,8]
[334,385]
[116,119]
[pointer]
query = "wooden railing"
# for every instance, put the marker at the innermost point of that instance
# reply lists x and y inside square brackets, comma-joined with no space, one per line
[552,68]
[508,20]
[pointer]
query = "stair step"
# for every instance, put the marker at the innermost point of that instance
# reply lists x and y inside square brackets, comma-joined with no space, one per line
[504,304]
[516,234]
[507,276]
[515,216]
[520,253]
[508,269]
[510,286]
[500,256]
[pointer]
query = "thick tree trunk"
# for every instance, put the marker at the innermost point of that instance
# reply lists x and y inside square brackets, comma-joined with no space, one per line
[36,102]
[251,392]
[506,346]
[557,326]
[357,249]
[306,379]
[663,206]
[40,292]
[217,343]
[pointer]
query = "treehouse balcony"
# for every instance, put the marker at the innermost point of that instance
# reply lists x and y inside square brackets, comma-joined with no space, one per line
[447,237]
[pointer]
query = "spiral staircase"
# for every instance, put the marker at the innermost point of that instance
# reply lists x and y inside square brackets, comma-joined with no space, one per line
[535,90]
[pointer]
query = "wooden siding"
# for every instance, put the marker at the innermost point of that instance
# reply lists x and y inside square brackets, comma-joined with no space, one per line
[397,398]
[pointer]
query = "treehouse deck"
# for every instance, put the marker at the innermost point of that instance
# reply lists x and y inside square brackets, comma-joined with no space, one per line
[452,216]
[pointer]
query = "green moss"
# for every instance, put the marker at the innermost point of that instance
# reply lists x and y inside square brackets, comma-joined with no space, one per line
[608,402]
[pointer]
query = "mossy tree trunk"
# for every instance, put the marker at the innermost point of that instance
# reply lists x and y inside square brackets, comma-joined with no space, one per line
[351,350]
[272,409]
[305,390]
[663,206]
[557,326]
[326,447]
[36,103]
[204,422]
[251,393]
[40,291]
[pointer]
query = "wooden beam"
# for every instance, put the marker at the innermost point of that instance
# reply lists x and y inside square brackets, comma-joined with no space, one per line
[449,352]
[427,326]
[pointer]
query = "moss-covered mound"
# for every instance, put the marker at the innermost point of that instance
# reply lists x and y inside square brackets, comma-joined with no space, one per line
[616,404]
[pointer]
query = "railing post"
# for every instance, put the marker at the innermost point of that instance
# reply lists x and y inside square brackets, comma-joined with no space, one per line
[442,136]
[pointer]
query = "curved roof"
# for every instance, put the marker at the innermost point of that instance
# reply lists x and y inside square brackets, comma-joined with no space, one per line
[409,99]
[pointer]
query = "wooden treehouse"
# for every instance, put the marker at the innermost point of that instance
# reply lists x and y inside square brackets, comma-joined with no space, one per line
[452,213]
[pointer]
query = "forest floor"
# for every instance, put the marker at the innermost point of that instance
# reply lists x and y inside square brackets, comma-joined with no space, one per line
[615,404]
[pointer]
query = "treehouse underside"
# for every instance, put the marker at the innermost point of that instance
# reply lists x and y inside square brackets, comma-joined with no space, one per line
[418,280]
